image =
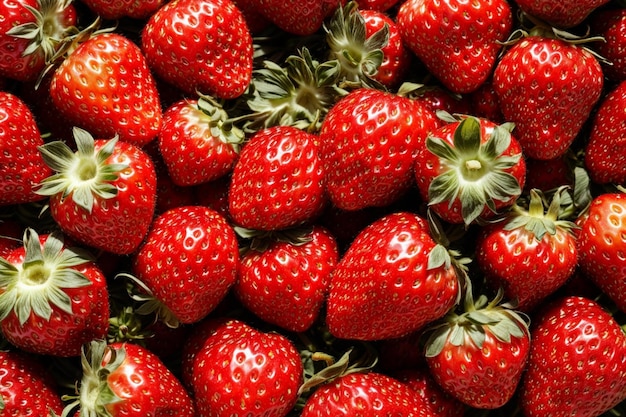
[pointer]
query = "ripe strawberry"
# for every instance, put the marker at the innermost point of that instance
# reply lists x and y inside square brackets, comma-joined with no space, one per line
[104,194]
[366,394]
[478,354]
[530,254]
[47,285]
[470,169]
[197,142]
[26,388]
[300,18]
[188,261]
[605,153]
[610,25]
[562,14]
[286,282]
[11,232]
[22,165]
[577,362]
[457,41]
[30,33]
[125,379]
[392,280]
[547,87]
[135,9]
[435,400]
[279,165]
[437,98]
[253,373]
[188,45]
[601,241]
[105,86]
[368,141]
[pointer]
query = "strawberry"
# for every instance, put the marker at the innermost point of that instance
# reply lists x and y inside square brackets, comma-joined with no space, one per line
[299,18]
[610,25]
[470,169]
[479,353]
[22,165]
[104,194]
[366,394]
[605,152]
[547,87]
[188,45]
[105,86]
[47,285]
[188,261]
[530,254]
[600,242]
[368,141]
[577,362]
[26,387]
[251,373]
[392,280]
[457,41]
[197,142]
[435,400]
[135,9]
[11,232]
[285,283]
[279,164]
[562,14]
[30,34]
[125,379]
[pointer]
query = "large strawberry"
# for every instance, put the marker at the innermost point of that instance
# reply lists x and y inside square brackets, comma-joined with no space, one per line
[368,141]
[392,280]
[458,41]
[102,195]
[21,164]
[547,86]
[47,285]
[577,362]
[200,46]
[560,13]
[105,86]
[278,180]
[470,169]
[188,261]
[125,379]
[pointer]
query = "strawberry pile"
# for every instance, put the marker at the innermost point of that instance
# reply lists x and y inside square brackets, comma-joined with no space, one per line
[312,208]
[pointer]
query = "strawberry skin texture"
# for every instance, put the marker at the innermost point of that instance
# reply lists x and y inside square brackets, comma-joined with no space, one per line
[601,241]
[368,141]
[22,165]
[456,40]
[548,88]
[382,287]
[106,87]
[136,9]
[297,17]
[189,44]
[577,362]
[561,14]
[610,24]
[188,261]
[434,399]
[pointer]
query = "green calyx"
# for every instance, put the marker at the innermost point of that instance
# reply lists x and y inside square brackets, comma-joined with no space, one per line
[220,125]
[474,172]
[260,241]
[36,286]
[84,174]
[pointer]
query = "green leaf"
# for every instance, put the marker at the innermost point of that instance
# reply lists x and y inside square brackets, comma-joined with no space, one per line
[467,137]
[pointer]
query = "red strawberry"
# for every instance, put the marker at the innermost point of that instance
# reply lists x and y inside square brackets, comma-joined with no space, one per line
[547,87]
[392,280]
[253,373]
[30,33]
[11,232]
[610,25]
[188,44]
[529,254]
[436,401]
[605,153]
[478,354]
[300,18]
[437,98]
[470,169]
[26,388]
[577,362]
[366,394]
[197,142]
[47,285]
[278,180]
[104,194]
[104,86]
[125,379]
[562,14]
[286,283]
[136,9]
[601,241]
[188,261]
[22,165]
[457,41]
[368,141]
